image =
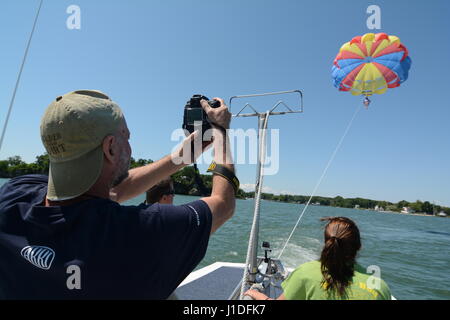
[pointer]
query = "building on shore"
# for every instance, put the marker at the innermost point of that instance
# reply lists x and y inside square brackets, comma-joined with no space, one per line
[407,210]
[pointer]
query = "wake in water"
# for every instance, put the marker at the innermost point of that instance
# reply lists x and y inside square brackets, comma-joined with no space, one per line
[439,233]
[297,254]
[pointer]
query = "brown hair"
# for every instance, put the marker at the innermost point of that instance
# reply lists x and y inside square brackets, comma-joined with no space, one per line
[158,190]
[338,257]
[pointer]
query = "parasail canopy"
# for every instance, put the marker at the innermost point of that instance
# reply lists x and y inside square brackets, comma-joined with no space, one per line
[371,64]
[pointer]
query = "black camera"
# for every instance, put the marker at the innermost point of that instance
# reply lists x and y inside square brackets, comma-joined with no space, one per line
[194,113]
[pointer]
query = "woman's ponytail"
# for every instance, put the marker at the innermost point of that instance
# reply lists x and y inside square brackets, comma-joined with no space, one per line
[342,242]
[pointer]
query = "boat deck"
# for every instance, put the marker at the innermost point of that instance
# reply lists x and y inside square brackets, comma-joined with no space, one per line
[214,282]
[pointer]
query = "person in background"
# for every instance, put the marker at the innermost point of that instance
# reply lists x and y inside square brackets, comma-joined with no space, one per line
[336,276]
[163,192]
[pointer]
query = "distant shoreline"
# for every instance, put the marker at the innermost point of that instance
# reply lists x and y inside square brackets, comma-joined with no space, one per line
[403,214]
[361,209]
[185,184]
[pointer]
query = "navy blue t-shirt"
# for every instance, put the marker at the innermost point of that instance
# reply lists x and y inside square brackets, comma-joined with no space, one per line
[96,248]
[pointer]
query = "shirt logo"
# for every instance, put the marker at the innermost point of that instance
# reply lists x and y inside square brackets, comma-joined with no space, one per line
[196,214]
[41,257]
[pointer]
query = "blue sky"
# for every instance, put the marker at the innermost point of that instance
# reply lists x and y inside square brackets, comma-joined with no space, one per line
[151,56]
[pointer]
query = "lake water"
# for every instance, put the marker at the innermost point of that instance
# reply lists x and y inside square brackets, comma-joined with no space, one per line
[411,251]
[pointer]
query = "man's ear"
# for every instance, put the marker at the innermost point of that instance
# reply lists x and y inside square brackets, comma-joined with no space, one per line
[108,148]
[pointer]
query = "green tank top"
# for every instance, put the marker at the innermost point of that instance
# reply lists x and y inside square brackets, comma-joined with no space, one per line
[305,283]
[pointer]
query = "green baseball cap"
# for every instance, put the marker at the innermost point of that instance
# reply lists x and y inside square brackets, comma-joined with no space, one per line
[72,130]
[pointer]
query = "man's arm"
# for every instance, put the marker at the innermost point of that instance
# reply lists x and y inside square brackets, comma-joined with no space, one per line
[222,201]
[141,179]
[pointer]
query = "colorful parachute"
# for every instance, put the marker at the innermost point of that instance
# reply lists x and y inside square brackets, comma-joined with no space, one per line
[370,64]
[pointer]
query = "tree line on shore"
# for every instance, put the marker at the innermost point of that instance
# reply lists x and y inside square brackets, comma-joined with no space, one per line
[185,183]
[359,203]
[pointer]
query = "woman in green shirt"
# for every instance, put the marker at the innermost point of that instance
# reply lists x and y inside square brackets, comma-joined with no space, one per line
[336,276]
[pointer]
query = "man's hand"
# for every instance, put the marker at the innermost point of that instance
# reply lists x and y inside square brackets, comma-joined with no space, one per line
[222,201]
[219,116]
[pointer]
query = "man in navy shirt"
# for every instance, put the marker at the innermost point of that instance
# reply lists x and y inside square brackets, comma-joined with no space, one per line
[66,236]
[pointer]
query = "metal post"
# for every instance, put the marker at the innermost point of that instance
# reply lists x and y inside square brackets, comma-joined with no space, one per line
[262,125]
[251,264]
